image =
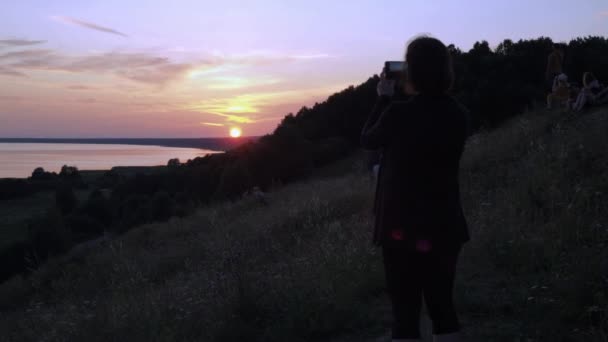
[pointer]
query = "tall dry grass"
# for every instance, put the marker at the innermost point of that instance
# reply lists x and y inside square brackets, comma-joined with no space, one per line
[301,266]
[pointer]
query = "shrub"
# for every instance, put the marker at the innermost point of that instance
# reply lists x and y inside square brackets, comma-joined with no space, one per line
[173,163]
[98,207]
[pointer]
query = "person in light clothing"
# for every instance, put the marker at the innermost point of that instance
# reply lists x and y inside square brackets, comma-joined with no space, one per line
[560,93]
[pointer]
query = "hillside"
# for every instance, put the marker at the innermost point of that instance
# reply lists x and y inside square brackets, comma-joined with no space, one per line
[302,267]
[494,84]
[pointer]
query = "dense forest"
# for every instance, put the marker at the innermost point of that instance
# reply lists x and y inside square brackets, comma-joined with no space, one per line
[495,84]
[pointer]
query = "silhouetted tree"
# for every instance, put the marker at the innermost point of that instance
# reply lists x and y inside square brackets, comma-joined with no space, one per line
[173,163]
[38,172]
[69,171]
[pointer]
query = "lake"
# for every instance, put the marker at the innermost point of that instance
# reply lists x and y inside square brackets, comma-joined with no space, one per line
[20,159]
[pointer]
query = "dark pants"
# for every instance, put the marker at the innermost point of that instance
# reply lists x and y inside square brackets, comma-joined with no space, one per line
[412,275]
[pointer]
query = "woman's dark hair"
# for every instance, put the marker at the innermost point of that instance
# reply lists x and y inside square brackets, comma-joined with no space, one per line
[430,67]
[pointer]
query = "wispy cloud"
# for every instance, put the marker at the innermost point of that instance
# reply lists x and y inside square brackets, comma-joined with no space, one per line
[149,67]
[236,118]
[89,25]
[263,57]
[88,100]
[256,107]
[214,124]
[10,72]
[140,67]
[239,109]
[243,109]
[80,87]
[26,54]
[315,56]
[230,82]
[20,42]
[603,14]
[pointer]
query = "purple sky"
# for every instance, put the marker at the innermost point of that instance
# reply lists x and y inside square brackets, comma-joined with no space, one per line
[198,68]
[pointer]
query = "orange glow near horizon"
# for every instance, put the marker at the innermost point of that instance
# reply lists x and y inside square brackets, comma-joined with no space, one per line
[235,132]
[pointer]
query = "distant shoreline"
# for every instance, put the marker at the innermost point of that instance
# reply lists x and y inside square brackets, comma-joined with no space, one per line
[190,146]
[216,144]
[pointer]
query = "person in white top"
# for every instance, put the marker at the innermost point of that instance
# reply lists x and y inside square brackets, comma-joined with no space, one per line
[590,93]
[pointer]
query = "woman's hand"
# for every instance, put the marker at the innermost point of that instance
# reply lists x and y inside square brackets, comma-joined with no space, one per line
[385,87]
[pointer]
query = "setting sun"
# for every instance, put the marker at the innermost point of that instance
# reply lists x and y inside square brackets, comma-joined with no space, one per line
[235,132]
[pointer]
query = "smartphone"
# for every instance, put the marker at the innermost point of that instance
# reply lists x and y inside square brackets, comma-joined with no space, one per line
[394,69]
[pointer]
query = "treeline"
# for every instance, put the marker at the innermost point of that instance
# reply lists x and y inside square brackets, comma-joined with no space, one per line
[495,84]
[498,84]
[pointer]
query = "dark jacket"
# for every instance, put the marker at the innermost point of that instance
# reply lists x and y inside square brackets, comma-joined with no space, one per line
[417,194]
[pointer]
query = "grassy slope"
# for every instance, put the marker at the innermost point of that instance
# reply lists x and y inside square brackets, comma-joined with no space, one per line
[303,269]
[14,215]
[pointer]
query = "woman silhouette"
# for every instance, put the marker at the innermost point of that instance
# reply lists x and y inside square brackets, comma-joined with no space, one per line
[419,220]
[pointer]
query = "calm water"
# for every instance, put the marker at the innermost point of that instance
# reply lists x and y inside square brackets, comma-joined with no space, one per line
[20,159]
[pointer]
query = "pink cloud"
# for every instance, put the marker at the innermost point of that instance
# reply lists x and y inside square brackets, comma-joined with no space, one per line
[140,67]
[87,100]
[80,87]
[10,98]
[10,72]
[27,55]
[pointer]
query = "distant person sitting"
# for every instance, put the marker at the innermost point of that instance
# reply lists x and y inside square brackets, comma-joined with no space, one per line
[590,94]
[554,64]
[419,221]
[560,92]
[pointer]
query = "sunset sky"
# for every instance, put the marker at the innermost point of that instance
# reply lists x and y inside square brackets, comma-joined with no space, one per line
[199,68]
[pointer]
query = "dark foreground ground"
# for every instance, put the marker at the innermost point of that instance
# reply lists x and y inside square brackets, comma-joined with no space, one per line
[302,268]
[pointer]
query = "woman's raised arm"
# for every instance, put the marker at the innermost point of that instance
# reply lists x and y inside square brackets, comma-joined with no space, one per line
[376,130]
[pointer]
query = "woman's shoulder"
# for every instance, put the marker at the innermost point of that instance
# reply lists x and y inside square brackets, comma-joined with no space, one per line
[441,102]
[424,103]
[404,100]
[400,105]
